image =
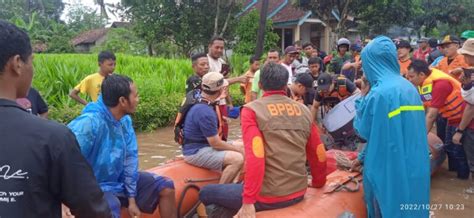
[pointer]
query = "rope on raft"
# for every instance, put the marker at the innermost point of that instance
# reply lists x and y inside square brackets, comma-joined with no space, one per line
[342,161]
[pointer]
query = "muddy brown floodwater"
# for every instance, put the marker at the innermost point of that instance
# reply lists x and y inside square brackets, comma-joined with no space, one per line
[447,192]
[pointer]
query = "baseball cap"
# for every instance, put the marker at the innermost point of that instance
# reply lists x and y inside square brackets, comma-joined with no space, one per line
[467,48]
[291,50]
[450,39]
[324,82]
[403,44]
[213,81]
[304,79]
[423,39]
[193,82]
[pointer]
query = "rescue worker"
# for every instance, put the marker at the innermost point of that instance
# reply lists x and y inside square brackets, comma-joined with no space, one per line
[390,116]
[270,183]
[453,62]
[441,94]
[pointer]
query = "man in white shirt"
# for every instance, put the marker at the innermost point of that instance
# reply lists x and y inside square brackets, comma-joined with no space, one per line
[287,62]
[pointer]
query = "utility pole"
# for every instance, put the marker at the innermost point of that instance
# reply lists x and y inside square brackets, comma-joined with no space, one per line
[261,29]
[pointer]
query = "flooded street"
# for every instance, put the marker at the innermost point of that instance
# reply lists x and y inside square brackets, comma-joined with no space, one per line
[157,147]
[447,192]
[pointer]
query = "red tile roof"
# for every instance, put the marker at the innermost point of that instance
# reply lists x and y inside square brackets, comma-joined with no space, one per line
[287,13]
[90,36]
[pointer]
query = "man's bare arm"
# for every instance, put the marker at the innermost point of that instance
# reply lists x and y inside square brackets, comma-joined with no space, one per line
[74,94]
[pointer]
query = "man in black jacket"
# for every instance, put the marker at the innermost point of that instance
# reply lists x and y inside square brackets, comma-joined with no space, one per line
[41,165]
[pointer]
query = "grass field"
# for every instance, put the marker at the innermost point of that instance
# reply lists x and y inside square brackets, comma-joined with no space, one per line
[160,82]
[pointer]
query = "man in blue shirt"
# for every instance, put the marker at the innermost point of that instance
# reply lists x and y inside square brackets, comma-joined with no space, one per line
[108,142]
[203,147]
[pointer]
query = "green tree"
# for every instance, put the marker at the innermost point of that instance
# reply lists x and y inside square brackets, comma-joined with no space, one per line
[246,34]
[441,16]
[81,18]
[189,24]
[46,9]
[377,16]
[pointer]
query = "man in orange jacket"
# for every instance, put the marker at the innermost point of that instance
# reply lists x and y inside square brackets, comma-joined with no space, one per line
[441,95]
[453,62]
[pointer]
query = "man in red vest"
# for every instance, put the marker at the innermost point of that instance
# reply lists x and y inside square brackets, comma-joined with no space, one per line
[279,136]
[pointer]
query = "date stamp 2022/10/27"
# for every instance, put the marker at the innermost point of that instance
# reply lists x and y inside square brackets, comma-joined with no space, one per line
[433,207]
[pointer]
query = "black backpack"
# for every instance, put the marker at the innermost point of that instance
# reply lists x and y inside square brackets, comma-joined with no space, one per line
[189,101]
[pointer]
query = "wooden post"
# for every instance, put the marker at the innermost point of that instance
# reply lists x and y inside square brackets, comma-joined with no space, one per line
[261,29]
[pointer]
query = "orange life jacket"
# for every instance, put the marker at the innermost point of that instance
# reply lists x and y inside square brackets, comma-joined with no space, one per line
[454,105]
[456,63]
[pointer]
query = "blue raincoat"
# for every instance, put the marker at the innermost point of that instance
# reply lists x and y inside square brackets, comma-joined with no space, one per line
[110,147]
[392,120]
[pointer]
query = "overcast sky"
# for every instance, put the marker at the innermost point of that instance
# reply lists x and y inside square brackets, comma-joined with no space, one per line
[89,3]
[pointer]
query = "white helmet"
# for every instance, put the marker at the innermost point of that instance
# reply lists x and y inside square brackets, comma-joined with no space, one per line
[343,41]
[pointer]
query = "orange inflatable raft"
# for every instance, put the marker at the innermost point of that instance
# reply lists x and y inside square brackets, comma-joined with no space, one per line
[342,193]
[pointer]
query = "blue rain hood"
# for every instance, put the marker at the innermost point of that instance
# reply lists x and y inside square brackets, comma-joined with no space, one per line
[110,147]
[391,118]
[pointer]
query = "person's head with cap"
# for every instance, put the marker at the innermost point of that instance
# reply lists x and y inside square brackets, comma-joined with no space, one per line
[290,54]
[325,84]
[403,49]
[274,77]
[16,62]
[468,51]
[450,44]
[302,84]
[423,43]
[200,64]
[212,85]
[433,42]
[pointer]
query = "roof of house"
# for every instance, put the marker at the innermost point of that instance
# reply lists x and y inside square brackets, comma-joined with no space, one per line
[90,36]
[280,11]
